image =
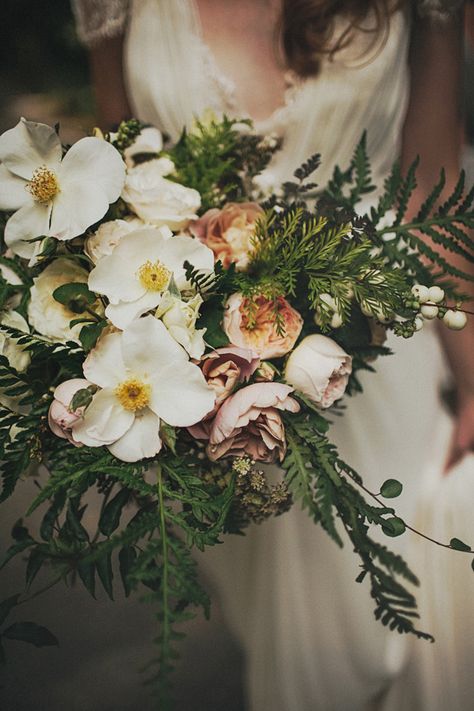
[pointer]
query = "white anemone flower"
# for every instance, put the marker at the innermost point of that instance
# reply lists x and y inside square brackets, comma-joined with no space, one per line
[139,271]
[54,196]
[145,377]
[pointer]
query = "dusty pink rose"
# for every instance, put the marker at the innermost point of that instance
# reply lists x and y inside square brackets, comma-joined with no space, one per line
[320,369]
[249,423]
[223,369]
[229,232]
[60,417]
[261,334]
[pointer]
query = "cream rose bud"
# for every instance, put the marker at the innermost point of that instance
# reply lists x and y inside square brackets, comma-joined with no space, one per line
[60,417]
[106,238]
[45,314]
[319,368]
[157,200]
[149,140]
[180,319]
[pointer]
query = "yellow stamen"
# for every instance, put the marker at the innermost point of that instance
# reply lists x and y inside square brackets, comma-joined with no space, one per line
[133,394]
[154,276]
[43,185]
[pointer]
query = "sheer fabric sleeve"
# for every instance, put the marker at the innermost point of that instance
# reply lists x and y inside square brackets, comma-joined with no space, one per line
[438,9]
[99,19]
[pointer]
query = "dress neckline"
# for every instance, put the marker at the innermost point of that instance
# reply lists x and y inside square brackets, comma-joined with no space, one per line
[227,89]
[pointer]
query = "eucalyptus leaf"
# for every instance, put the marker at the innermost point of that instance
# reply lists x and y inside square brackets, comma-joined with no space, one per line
[459,545]
[391,488]
[393,526]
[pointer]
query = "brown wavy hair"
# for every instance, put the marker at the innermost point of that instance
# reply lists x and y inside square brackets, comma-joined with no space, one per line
[307,30]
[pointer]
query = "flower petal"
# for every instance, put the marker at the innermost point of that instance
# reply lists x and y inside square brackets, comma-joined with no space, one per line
[76,207]
[142,440]
[104,365]
[180,249]
[122,315]
[29,222]
[93,160]
[148,348]
[142,245]
[180,395]
[13,192]
[104,421]
[28,146]
[116,278]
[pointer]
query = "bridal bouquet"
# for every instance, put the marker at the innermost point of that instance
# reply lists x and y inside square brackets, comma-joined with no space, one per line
[170,327]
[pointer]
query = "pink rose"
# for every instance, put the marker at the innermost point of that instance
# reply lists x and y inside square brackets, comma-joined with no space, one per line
[249,423]
[223,369]
[261,334]
[229,232]
[319,368]
[60,418]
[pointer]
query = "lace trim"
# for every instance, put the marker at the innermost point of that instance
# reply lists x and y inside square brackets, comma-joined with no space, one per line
[438,9]
[99,19]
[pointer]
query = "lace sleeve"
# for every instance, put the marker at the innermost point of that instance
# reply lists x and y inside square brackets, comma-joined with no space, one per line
[438,9]
[97,19]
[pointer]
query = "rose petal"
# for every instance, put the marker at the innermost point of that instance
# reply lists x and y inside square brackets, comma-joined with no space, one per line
[142,440]
[28,146]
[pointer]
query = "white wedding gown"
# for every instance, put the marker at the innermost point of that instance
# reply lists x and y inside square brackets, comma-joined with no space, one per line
[307,628]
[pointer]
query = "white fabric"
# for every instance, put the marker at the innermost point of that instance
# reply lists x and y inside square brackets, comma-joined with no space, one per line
[307,628]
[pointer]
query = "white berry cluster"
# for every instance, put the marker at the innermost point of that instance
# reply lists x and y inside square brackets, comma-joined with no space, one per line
[431,301]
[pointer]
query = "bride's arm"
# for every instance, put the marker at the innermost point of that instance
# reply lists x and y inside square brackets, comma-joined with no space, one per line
[101,27]
[433,130]
[106,68]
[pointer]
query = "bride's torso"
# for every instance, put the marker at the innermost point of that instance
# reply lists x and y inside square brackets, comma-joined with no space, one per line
[182,60]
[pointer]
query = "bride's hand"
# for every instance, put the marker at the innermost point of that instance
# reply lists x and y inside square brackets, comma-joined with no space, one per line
[462,441]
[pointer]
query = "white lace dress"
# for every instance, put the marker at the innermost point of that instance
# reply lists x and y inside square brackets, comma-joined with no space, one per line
[307,629]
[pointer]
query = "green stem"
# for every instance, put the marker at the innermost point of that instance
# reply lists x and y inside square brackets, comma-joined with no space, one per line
[435,221]
[166,633]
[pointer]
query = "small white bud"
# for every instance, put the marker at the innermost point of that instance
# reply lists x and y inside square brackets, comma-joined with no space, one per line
[419,323]
[420,292]
[336,320]
[374,311]
[435,294]
[329,301]
[456,320]
[429,311]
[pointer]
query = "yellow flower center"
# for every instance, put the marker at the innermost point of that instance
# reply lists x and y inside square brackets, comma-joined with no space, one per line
[154,276]
[133,394]
[43,185]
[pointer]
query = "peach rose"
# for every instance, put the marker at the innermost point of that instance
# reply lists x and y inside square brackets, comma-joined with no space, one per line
[262,336]
[228,232]
[320,369]
[223,369]
[60,418]
[249,423]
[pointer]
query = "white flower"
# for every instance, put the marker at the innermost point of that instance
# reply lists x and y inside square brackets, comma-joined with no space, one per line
[54,196]
[149,140]
[180,318]
[145,377]
[17,357]
[320,369]
[139,270]
[48,316]
[106,238]
[158,200]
